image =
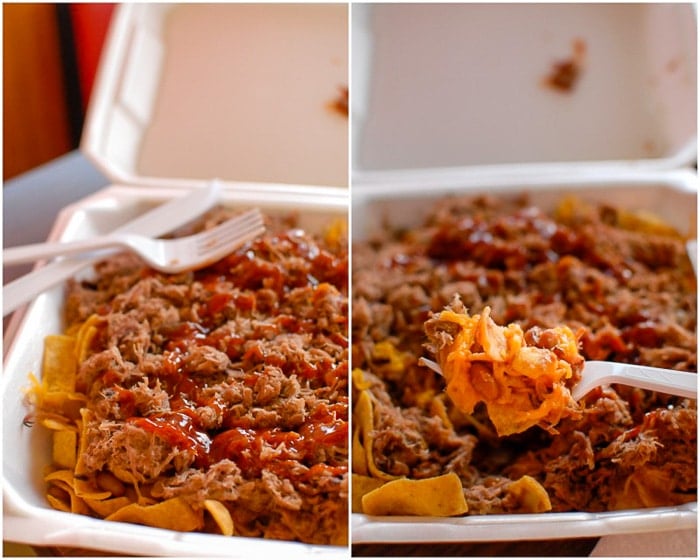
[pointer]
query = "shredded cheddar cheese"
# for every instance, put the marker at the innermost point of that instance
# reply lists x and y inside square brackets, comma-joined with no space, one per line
[521,384]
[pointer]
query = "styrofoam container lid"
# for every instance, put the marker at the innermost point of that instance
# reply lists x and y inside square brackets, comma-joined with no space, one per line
[239,92]
[461,88]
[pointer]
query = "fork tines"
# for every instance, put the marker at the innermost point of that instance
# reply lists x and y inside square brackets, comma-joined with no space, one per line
[236,230]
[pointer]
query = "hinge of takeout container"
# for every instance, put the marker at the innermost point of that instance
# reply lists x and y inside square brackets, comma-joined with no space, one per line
[133,56]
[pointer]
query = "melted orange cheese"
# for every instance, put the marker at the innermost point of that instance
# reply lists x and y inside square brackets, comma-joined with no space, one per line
[522,385]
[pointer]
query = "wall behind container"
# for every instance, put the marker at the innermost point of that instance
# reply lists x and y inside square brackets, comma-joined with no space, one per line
[50,55]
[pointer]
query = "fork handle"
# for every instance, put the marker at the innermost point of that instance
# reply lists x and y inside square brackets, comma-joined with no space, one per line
[38,251]
[670,381]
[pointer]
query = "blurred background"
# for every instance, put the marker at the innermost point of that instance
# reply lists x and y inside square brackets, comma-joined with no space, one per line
[50,56]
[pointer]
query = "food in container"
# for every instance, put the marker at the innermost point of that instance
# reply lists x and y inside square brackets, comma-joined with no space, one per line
[212,401]
[603,263]
[522,377]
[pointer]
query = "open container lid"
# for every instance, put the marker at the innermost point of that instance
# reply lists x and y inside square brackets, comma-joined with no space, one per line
[249,93]
[463,92]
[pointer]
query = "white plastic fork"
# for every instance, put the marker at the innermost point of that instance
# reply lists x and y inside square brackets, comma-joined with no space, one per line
[167,255]
[669,381]
[599,373]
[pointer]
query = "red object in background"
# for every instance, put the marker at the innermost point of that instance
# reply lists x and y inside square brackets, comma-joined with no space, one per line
[90,23]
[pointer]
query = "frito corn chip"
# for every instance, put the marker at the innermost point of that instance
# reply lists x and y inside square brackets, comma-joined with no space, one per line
[65,444]
[78,505]
[359,455]
[221,515]
[530,494]
[438,408]
[64,480]
[56,394]
[86,417]
[58,424]
[81,488]
[519,413]
[359,382]
[336,232]
[364,414]
[386,352]
[59,364]
[440,496]
[84,337]
[174,514]
[362,485]
[59,504]
[87,489]
[63,475]
[105,508]
[63,403]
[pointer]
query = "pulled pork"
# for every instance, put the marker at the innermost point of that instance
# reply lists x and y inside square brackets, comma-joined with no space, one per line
[228,383]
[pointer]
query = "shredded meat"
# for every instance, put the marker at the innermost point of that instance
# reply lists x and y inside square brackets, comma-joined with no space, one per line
[229,383]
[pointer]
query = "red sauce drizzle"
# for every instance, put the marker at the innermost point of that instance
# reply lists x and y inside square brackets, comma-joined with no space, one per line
[179,430]
[288,452]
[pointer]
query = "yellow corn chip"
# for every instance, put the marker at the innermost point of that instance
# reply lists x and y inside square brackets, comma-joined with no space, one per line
[221,515]
[58,504]
[81,488]
[364,412]
[84,337]
[59,364]
[58,423]
[438,408]
[439,496]
[86,417]
[362,485]
[358,380]
[530,494]
[78,505]
[86,489]
[336,232]
[65,404]
[105,508]
[174,514]
[385,351]
[64,480]
[63,475]
[359,455]
[65,448]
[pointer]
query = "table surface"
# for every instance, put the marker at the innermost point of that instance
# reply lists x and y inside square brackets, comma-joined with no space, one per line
[33,200]
[31,203]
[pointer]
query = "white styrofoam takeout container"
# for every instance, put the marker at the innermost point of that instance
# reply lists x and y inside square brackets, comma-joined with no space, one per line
[448,99]
[186,93]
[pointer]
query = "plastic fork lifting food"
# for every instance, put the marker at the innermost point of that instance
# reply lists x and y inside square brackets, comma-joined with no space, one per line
[598,373]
